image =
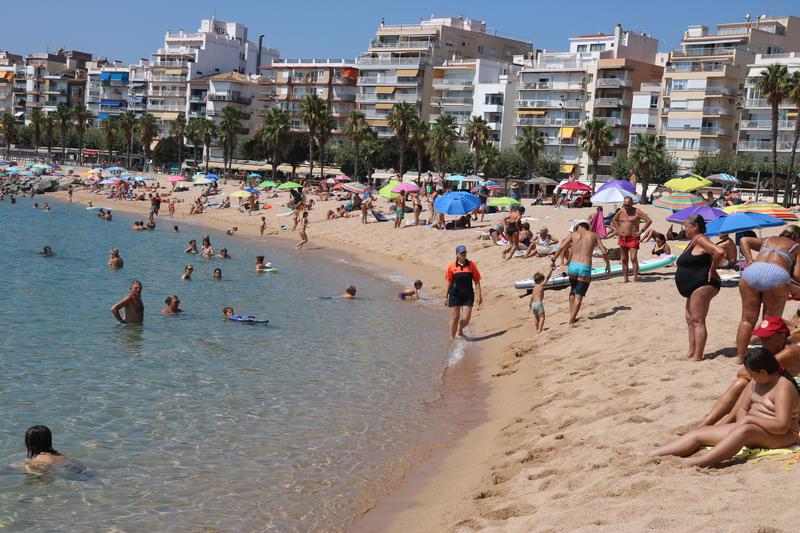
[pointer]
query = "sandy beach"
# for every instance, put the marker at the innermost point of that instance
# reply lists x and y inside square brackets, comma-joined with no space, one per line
[569,414]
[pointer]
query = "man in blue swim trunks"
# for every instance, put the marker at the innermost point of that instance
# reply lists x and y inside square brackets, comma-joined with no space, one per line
[579,247]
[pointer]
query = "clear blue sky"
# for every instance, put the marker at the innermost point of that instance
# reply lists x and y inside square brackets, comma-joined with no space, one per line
[315,28]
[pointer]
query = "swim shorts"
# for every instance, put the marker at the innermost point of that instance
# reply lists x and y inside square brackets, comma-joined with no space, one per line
[580,276]
[537,308]
[402,295]
[399,213]
[454,299]
[630,241]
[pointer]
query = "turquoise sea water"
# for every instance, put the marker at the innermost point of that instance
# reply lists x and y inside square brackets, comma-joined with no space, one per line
[190,422]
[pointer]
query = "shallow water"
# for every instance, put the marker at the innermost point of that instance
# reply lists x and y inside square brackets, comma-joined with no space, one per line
[191,422]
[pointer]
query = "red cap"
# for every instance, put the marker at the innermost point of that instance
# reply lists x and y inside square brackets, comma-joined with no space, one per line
[770,326]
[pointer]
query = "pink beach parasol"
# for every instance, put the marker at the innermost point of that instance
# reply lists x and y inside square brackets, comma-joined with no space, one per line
[176,178]
[406,187]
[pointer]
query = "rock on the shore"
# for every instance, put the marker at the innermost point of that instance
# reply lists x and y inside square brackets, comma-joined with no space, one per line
[41,184]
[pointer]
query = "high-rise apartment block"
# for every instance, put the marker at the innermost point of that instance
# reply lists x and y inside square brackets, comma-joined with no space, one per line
[399,64]
[704,82]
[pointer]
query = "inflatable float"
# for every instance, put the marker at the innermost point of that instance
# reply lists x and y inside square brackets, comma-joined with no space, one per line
[598,272]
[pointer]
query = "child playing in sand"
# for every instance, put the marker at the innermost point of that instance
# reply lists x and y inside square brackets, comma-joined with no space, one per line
[767,419]
[263,225]
[413,291]
[537,297]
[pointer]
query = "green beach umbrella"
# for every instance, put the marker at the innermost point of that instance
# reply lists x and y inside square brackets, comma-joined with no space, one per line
[503,200]
[386,190]
[267,183]
[289,185]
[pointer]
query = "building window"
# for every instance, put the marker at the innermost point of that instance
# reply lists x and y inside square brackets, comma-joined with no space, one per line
[653,101]
[581,48]
[464,44]
[480,49]
[597,47]
[449,44]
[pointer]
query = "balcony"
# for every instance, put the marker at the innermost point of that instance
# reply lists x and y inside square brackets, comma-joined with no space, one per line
[452,100]
[718,111]
[167,94]
[171,78]
[445,84]
[157,107]
[757,102]
[611,121]
[715,131]
[545,122]
[696,67]
[548,104]
[405,45]
[643,128]
[720,91]
[62,92]
[682,128]
[170,63]
[550,86]
[609,102]
[375,99]
[606,161]
[764,145]
[705,51]
[387,80]
[558,141]
[766,124]
[229,97]
[612,83]
[197,99]
[393,61]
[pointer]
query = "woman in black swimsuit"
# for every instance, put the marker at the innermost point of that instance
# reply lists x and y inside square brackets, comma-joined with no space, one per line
[697,280]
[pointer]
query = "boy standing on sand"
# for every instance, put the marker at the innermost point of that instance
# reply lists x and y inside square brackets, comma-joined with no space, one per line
[263,225]
[537,297]
[581,244]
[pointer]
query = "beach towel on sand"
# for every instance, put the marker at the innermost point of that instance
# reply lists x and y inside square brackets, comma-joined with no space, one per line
[381,217]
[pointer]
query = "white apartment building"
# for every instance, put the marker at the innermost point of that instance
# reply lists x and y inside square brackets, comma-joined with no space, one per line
[644,110]
[476,87]
[216,47]
[107,89]
[755,134]
[559,91]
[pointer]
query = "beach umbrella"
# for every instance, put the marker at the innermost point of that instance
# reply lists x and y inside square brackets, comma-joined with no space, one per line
[203,181]
[541,180]
[116,169]
[455,177]
[96,169]
[503,201]
[254,175]
[29,165]
[613,195]
[13,170]
[687,183]
[709,214]
[457,203]
[198,176]
[677,200]
[574,186]
[386,190]
[176,178]
[406,187]
[289,185]
[618,184]
[212,176]
[241,194]
[26,173]
[742,222]
[252,190]
[146,178]
[764,208]
[108,181]
[267,183]
[356,188]
[330,181]
[341,177]
[723,178]
[4,163]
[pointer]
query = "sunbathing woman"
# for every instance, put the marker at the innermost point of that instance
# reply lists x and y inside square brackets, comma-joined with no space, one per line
[767,419]
[661,247]
[765,282]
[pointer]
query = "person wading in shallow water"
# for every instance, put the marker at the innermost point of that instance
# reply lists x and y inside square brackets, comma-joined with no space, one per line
[461,275]
[132,305]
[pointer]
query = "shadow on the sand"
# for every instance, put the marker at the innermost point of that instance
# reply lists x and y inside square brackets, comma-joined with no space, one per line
[650,278]
[487,336]
[725,352]
[610,312]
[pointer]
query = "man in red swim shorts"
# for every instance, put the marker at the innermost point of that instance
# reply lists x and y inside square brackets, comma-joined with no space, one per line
[627,223]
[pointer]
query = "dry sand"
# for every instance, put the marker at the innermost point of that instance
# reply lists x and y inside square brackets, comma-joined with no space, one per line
[569,413]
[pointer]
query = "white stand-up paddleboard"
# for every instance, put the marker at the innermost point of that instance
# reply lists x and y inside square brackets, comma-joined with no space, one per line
[599,272]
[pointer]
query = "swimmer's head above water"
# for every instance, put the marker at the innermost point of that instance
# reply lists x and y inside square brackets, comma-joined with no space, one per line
[228,311]
[39,439]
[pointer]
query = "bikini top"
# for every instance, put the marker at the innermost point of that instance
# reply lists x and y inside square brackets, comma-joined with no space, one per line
[785,255]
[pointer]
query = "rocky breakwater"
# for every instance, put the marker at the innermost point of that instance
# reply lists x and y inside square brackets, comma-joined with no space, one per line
[39,184]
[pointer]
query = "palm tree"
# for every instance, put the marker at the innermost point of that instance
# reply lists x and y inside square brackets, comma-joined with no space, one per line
[177,131]
[36,129]
[208,132]
[82,118]
[645,155]
[127,126]
[490,156]
[49,130]
[325,128]
[63,117]
[357,129]
[529,145]
[110,131]
[369,150]
[772,85]
[8,125]
[273,133]
[418,138]
[793,95]
[230,126]
[442,141]
[194,132]
[148,129]
[596,138]
[310,112]
[400,119]
[477,134]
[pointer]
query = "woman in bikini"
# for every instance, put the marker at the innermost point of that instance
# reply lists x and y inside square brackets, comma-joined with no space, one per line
[697,280]
[765,280]
[512,227]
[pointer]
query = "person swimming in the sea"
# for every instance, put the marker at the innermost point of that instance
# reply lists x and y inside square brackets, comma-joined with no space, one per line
[187,272]
[172,302]
[217,274]
[412,292]
[114,259]
[349,292]
[47,252]
[260,265]
[768,418]
[192,248]
[39,443]
[230,314]
[223,254]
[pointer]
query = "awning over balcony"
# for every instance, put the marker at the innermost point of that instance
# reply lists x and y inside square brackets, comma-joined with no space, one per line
[350,73]
[8,76]
[566,133]
[407,72]
[110,102]
[532,113]
[384,90]
[377,122]
[384,106]
[165,115]
[566,168]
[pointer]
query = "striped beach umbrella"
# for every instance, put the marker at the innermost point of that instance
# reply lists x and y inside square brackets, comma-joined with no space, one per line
[356,188]
[677,200]
[765,208]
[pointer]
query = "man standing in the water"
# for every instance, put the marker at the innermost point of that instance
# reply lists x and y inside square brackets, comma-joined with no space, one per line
[132,304]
